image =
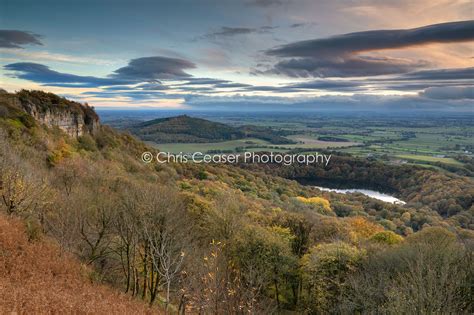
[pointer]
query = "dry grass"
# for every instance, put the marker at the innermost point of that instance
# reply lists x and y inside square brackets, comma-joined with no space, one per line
[37,278]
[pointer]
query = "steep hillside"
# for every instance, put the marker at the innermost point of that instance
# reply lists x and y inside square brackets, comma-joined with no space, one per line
[215,238]
[186,129]
[36,277]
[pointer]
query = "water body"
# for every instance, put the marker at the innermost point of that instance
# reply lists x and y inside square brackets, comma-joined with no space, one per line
[371,193]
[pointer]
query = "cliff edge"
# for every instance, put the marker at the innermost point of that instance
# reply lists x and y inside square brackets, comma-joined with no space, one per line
[73,118]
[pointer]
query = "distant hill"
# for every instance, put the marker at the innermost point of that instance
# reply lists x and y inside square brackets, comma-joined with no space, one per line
[186,129]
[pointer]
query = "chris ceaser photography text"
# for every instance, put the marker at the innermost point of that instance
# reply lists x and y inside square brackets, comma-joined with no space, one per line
[245,157]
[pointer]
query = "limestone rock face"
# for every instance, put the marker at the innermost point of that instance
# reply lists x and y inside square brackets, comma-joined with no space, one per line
[73,123]
[73,118]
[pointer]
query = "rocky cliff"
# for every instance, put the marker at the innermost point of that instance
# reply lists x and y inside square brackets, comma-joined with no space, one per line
[73,118]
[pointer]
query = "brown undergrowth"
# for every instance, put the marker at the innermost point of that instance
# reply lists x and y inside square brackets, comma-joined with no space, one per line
[36,277]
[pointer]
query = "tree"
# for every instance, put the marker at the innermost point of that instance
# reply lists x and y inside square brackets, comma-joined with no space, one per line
[325,269]
[263,257]
[20,191]
[162,224]
[431,272]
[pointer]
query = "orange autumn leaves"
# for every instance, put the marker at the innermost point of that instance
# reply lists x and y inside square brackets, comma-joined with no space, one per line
[356,228]
[322,205]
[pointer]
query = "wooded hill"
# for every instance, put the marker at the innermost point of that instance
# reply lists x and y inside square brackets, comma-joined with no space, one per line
[186,129]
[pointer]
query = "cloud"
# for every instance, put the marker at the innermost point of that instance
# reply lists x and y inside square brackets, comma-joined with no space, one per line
[17,54]
[17,39]
[264,3]
[155,86]
[231,31]
[152,68]
[420,80]
[140,70]
[377,40]
[203,81]
[231,85]
[197,89]
[295,25]
[350,67]
[412,86]
[358,102]
[43,74]
[449,92]
[225,31]
[440,74]
[131,95]
[340,55]
[321,85]
[306,24]
[327,85]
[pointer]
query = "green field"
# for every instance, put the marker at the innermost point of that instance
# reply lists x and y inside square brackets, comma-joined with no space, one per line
[204,147]
[251,144]
[311,142]
[432,159]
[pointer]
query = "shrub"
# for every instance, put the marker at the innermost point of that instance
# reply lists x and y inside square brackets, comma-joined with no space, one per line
[104,138]
[86,142]
[321,204]
[63,151]
[202,175]
[27,120]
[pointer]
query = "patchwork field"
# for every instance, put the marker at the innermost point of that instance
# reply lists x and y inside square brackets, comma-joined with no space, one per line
[251,144]
[437,142]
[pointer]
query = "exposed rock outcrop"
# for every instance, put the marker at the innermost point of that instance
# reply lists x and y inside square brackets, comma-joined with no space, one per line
[73,118]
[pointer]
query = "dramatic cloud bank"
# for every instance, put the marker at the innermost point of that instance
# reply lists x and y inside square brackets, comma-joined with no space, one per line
[146,69]
[152,68]
[245,55]
[43,74]
[340,56]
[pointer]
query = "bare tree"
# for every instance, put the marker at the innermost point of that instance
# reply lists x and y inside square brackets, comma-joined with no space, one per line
[167,240]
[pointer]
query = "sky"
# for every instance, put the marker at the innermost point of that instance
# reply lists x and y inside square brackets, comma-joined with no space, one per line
[235,55]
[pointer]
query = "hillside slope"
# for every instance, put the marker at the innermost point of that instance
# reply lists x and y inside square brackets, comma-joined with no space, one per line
[240,240]
[36,277]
